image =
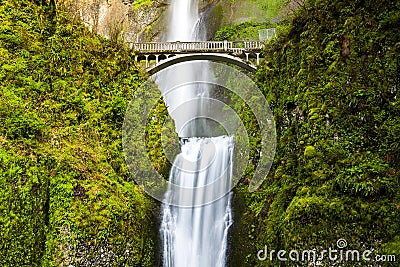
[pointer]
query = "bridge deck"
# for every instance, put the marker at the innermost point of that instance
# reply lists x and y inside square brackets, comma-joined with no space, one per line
[196,47]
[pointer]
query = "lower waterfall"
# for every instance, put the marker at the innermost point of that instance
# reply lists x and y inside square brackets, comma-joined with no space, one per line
[197,235]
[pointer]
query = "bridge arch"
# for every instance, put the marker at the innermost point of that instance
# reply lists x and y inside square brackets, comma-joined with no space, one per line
[178,58]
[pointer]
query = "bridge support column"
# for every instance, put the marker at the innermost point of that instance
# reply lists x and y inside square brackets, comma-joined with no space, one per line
[136,58]
[157,58]
[247,56]
[258,58]
[147,60]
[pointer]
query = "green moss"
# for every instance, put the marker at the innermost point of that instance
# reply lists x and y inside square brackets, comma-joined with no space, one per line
[140,3]
[241,31]
[239,11]
[310,152]
[64,182]
[331,79]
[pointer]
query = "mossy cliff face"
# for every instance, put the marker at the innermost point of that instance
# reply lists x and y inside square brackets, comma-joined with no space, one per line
[222,13]
[332,80]
[67,198]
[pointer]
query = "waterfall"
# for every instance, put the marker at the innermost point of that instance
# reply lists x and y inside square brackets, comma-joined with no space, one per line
[197,236]
[194,232]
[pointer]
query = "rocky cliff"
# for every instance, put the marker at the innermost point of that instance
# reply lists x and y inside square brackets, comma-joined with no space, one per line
[127,20]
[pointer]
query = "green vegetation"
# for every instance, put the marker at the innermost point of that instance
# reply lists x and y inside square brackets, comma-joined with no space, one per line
[239,11]
[332,80]
[241,32]
[245,16]
[66,194]
[140,3]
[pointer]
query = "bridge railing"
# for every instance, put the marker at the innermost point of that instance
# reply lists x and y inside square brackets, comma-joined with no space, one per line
[185,47]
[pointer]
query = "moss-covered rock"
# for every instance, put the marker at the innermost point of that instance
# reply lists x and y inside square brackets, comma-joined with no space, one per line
[331,78]
[67,197]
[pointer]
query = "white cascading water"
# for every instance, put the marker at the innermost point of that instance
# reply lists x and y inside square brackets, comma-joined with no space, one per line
[197,236]
[194,232]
